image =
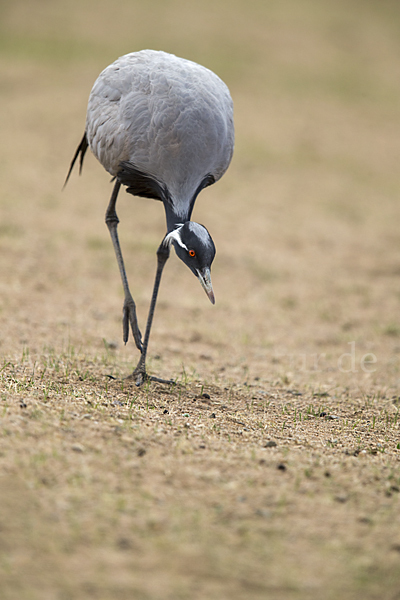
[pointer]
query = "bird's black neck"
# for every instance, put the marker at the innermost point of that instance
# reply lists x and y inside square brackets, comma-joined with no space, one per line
[172,218]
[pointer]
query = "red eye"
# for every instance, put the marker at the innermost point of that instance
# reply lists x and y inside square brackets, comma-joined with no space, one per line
[192,253]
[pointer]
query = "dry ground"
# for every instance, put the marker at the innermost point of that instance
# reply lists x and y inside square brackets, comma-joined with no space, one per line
[271,468]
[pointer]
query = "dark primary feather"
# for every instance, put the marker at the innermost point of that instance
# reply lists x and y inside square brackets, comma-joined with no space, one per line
[142,184]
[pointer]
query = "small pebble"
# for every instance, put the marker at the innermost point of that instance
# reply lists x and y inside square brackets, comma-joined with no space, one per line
[112,345]
[341,498]
[206,396]
[78,448]
[262,512]
[270,444]
[355,452]
[124,544]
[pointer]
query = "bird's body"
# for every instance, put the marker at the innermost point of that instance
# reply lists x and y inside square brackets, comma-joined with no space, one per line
[168,117]
[162,126]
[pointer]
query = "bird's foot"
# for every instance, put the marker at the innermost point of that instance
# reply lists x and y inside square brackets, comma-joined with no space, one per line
[140,376]
[129,318]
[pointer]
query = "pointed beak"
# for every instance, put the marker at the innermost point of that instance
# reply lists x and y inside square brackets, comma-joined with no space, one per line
[204,277]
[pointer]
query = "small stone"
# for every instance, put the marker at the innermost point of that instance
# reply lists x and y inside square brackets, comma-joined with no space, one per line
[78,448]
[111,344]
[270,444]
[342,498]
[206,396]
[124,544]
[262,512]
[351,452]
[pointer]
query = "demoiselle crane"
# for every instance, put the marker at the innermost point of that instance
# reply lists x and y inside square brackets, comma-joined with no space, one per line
[163,127]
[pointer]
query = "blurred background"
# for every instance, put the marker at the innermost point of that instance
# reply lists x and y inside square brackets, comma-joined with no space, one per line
[306,220]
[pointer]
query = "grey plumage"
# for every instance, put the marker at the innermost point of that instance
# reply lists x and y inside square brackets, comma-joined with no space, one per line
[167,116]
[162,126]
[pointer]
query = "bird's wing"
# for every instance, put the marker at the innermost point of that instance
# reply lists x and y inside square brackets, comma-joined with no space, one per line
[104,130]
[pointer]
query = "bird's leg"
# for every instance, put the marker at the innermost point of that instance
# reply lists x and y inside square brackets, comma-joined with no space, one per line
[140,372]
[129,310]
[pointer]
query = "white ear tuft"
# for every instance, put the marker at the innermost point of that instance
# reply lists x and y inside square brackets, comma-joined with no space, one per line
[175,235]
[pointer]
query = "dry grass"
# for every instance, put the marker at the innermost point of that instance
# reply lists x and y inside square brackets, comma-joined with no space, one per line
[271,468]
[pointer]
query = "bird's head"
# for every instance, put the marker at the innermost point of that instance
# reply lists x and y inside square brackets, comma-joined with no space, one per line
[194,246]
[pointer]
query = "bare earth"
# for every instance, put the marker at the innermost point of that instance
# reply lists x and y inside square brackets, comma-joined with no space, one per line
[271,468]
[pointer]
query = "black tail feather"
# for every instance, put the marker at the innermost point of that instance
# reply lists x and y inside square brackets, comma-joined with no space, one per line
[83,146]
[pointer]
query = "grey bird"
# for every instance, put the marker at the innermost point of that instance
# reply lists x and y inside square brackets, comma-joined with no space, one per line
[163,127]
